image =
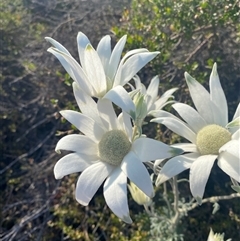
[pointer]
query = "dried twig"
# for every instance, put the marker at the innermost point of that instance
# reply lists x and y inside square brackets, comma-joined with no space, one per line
[25,155]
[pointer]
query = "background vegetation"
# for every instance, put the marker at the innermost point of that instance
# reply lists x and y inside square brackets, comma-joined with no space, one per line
[190,34]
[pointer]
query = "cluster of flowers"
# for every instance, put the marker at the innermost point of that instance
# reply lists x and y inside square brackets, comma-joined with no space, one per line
[112,149]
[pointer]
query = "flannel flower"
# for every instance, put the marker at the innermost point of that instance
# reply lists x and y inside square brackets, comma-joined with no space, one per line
[102,73]
[209,132]
[107,152]
[146,100]
[153,101]
[216,236]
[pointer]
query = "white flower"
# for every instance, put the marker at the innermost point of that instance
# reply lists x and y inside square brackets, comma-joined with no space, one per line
[216,237]
[206,130]
[107,150]
[103,73]
[153,101]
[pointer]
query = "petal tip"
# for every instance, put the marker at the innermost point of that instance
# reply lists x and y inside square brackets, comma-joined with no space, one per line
[81,202]
[236,188]
[58,151]
[188,77]
[57,177]
[152,194]
[89,47]
[199,200]
[127,219]
[175,151]
[159,180]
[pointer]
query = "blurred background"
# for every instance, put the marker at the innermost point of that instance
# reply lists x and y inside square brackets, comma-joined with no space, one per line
[191,35]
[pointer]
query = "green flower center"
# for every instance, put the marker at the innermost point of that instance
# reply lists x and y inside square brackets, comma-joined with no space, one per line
[211,138]
[113,147]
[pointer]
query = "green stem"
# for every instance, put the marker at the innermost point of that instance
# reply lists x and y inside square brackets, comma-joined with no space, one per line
[135,129]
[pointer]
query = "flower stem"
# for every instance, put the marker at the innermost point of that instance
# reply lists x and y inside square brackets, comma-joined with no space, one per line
[175,205]
[135,131]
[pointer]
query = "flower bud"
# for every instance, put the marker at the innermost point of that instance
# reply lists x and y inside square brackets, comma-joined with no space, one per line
[138,195]
[216,237]
[141,108]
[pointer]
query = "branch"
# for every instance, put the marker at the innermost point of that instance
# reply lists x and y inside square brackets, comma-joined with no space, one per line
[28,153]
[212,200]
[198,48]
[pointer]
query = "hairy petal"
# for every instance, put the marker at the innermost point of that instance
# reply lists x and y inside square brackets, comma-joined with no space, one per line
[85,124]
[137,173]
[177,126]
[148,149]
[94,70]
[217,96]
[191,116]
[72,163]
[77,143]
[199,173]
[104,51]
[90,180]
[230,164]
[115,57]
[175,165]
[115,193]
[201,99]
[119,96]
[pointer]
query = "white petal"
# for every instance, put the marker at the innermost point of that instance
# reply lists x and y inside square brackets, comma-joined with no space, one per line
[169,92]
[167,103]
[118,78]
[106,111]
[176,165]
[119,96]
[153,87]
[77,143]
[230,165]
[191,116]
[73,69]
[115,57]
[217,95]
[232,147]
[94,70]
[90,180]
[139,84]
[162,101]
[201,99]
[156,164]
[125,121]
[86,104]
[236,135]
[187,147]
[82,41]
[137,173]
[72,163]
[132,66]
[115,193]
[85,124]
[149,149]
[199,173]
[162,113]
[57,45]
[104,51]
[177,126]
[237,112]
[150,103]
[234,123]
